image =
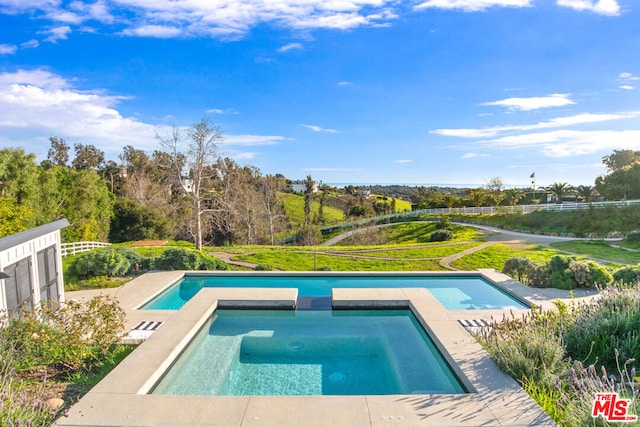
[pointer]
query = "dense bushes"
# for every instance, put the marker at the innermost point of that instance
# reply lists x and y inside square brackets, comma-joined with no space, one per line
[632,240]
[120,261]
[561,271]
[440,236]
[629,274]
[563,356]
[112,262]
[75,341]
[182,259]
[605,332]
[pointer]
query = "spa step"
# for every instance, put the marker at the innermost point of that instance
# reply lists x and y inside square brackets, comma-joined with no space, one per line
[313,303]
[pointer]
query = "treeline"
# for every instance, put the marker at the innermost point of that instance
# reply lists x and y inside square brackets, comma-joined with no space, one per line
[621,183]
[144,196]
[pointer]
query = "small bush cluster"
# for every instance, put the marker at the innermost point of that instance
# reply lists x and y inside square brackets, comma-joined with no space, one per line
[629,274]
[98,265]
[441,236]
[561,271]
[183,259]
[632,240]
[563,356]
[73,339]
[111,261]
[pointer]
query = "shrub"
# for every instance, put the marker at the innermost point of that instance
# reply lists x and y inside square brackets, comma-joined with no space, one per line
[444,223]
[632,240]
[440,236]
[111,262]
[183,259]
[568,272]
[609,326]
[527,348]
[518,268]
[77,337]
[263,267]
[629,275]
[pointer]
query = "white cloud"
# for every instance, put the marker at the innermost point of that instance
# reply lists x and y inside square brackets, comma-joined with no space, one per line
[215,111]
[290,46]
[8,49]
[158,31]
[30,44]
[578,119]
[345,83]
[533,103]
[403,161]
[57,33]
[253,140]
[472,5]
[570,143]
[320,129]
[474,155]
[627,81]
[40,104]
[223,19]
[602,7]
[37,104]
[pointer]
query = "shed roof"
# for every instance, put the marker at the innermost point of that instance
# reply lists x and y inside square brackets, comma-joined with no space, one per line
[32,233]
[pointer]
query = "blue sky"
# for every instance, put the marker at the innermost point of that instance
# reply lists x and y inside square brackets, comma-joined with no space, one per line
[347,91]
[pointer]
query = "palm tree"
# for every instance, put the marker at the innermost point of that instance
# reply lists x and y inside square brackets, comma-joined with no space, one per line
[586,192]
[512,196]
[559,190]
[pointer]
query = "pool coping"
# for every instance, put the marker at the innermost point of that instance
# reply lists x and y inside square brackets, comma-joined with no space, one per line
[121,399]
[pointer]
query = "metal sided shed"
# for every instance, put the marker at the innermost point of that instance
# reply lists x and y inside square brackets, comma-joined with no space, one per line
[32,265]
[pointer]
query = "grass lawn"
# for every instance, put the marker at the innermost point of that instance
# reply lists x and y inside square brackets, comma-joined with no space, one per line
[494,256]
[407,252]
[294,209]
[599,249]
[304,261]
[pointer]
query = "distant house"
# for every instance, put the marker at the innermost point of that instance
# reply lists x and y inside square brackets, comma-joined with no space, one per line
[301,187]
[31,268]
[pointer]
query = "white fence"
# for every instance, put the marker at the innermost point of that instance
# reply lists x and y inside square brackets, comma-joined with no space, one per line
[77,247]
[552,207]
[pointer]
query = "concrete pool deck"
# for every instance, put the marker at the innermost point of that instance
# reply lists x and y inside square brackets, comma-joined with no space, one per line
[122,398]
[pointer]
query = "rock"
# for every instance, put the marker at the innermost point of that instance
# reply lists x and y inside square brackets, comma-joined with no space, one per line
[54,403]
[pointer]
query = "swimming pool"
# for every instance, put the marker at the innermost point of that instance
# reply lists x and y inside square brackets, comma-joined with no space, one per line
[296,353]
[454,292]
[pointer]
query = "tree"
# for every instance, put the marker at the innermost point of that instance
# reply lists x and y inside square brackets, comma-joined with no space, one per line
[18,176]
[87,157]
[14,218]
[559,190]
[201,151]
[512,196]
[623,180]
[586,192]
[477,196]
[495,186]
[308,197]
[59,151]
[621,184]
[269,188]
[132,221]
[621,158]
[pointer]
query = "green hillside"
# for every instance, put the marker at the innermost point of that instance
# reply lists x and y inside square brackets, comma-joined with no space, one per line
[294,209]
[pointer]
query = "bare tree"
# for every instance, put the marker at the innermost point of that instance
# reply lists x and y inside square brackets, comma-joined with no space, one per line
[198,146]
[269,188]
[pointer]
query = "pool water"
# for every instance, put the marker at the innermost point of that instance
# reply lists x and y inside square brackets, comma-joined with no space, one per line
[295,353]
[453,292]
